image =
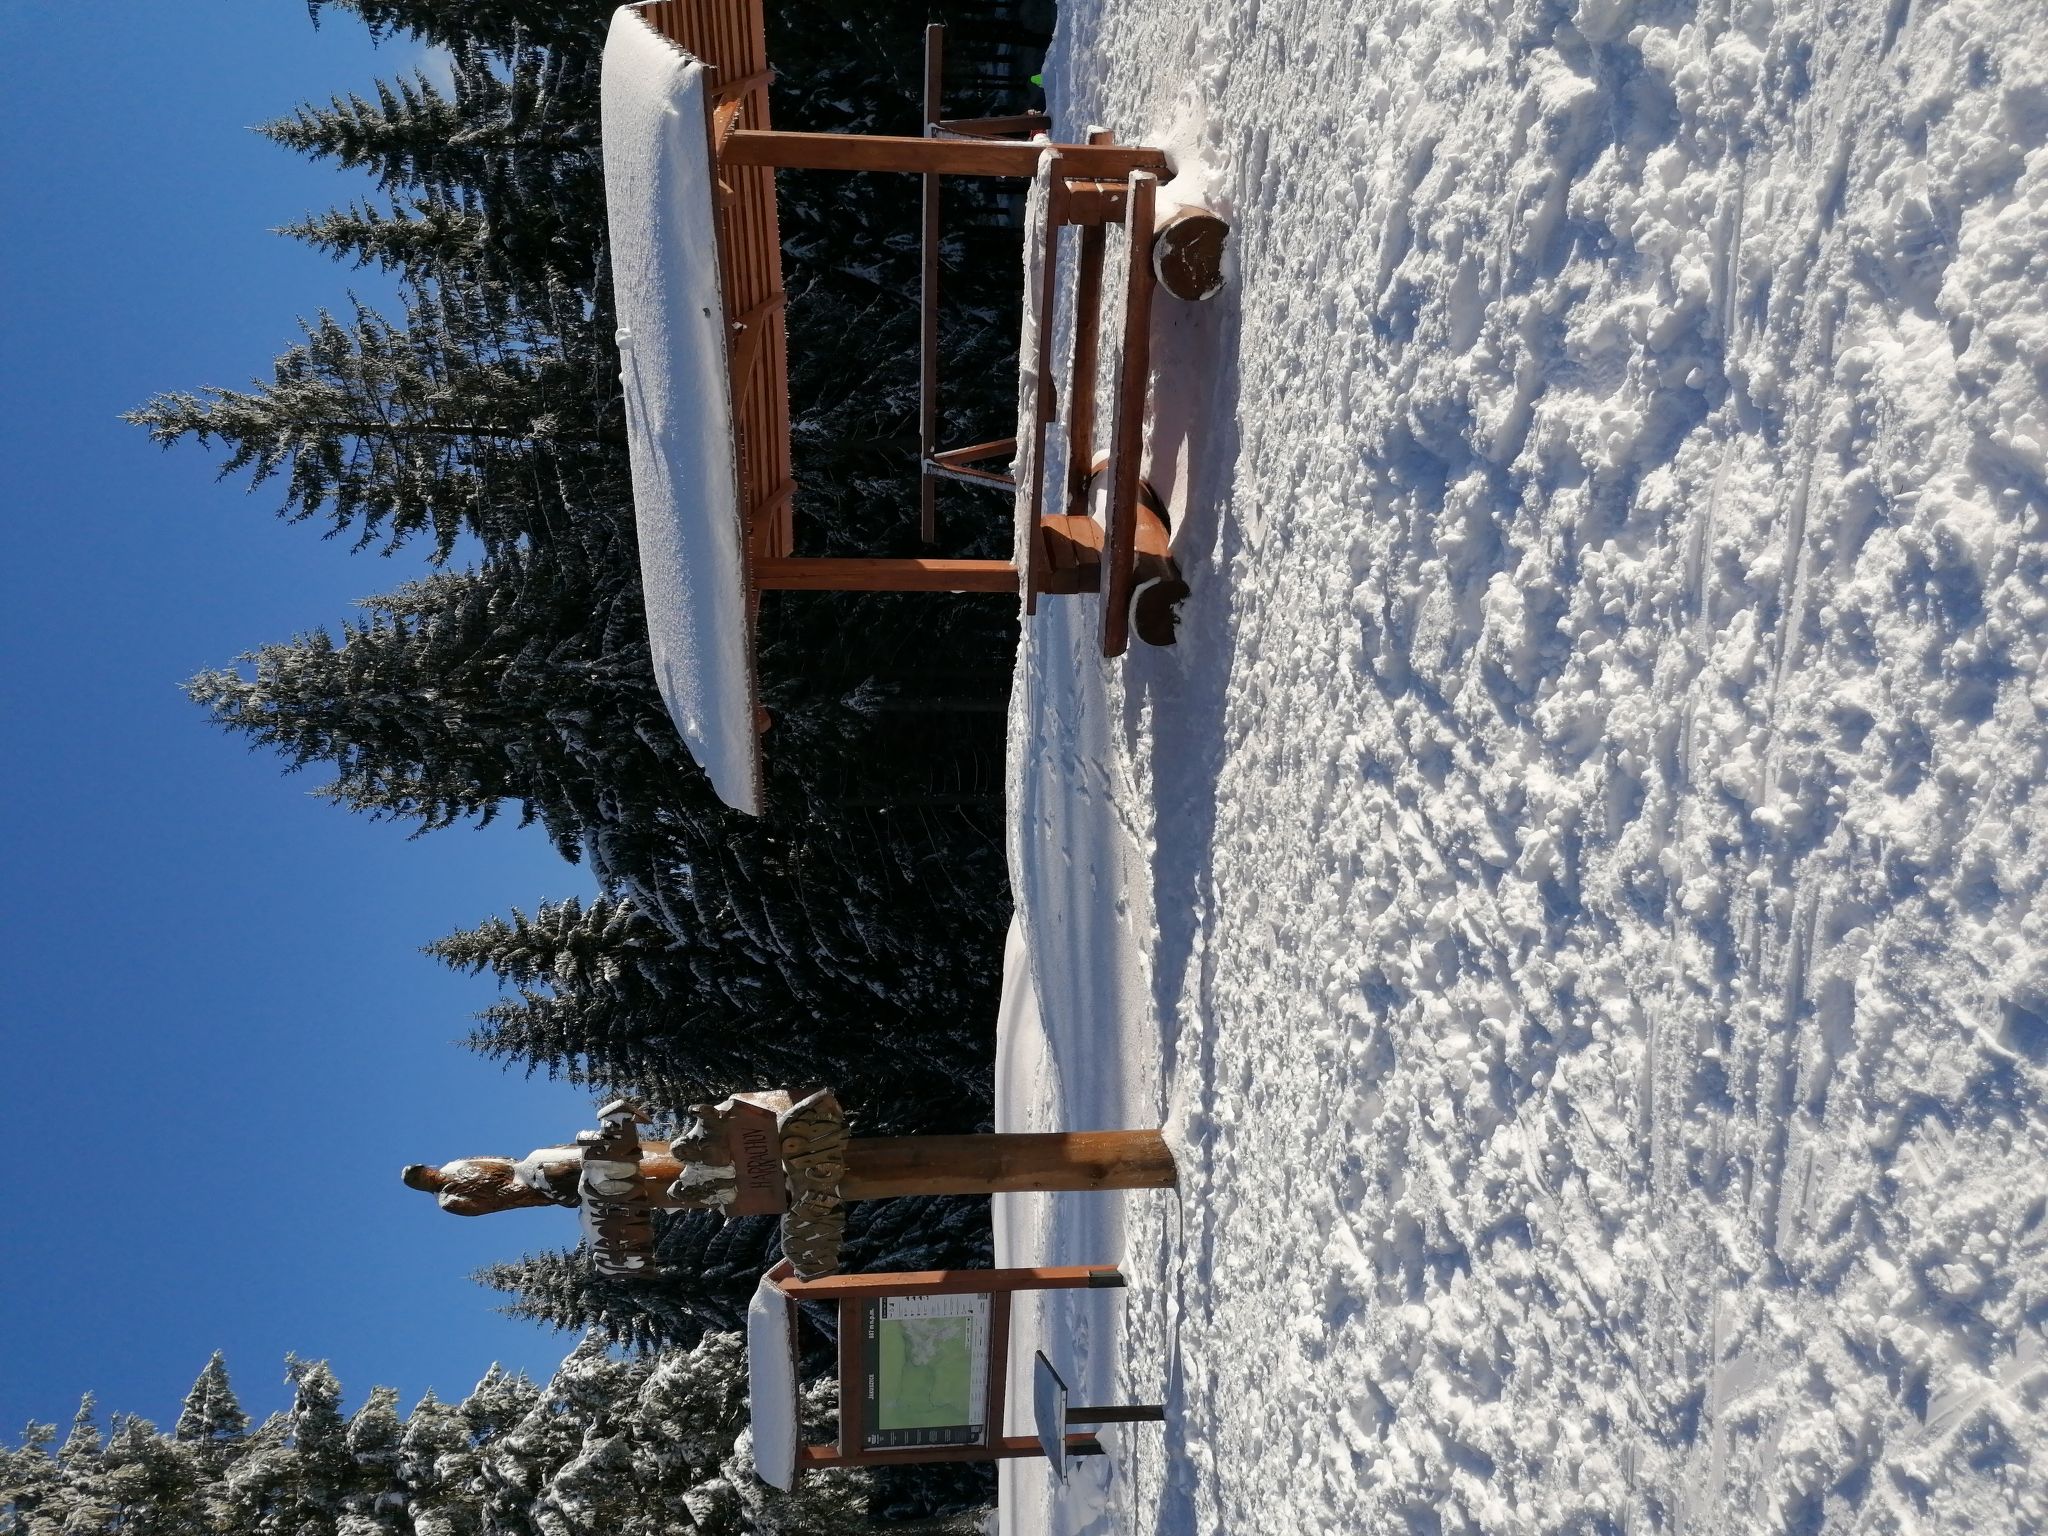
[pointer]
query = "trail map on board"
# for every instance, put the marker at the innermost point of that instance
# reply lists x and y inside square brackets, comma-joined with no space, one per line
[927,1371]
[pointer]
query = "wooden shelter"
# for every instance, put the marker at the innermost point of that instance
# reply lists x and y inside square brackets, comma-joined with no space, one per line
[690,160]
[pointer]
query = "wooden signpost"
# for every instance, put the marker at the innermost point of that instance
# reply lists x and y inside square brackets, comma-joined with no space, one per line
[764,1153]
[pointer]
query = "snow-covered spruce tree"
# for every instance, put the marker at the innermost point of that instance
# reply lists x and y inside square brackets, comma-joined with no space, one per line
[570,28]
[564,1290]
[436,1468]
[608,997]
[211,1418]
[31,1492]
[514,124]
[610,1447]
[710,1267]
[420,235]
[462,420]
[81,1476]
[157,1483]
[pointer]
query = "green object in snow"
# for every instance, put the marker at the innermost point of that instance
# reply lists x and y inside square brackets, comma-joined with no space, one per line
[1038,80]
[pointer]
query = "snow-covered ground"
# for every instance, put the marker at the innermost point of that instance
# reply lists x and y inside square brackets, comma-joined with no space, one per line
[1576,892]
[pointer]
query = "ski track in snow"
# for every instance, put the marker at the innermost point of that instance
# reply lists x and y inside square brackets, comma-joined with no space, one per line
[1575,894]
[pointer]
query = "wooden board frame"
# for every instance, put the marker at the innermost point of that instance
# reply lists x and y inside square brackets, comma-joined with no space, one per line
[850,1293]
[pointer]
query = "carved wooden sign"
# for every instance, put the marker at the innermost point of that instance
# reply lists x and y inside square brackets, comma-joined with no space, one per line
[612,1198]
[751,1143]
[762,1154]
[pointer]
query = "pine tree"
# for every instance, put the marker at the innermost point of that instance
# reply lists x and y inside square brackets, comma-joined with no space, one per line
[565,1291]
[419,236]
[436,1469]
[516,123]
[31,1491]
[710,1267]
[212,1417]
[611,1446]
[323,1466]
[463,420]
[153,1481]
[465,690]
[572,27]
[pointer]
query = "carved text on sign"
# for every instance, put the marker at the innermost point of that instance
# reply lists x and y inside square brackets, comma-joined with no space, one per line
[618,1220]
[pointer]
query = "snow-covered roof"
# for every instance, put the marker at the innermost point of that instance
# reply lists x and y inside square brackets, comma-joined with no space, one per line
[771,1386]
[659,181]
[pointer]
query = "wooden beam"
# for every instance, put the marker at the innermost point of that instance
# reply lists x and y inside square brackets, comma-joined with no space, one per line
[928,298]
[939,469]
[1093,203]
[816,1458]
[877,1167]
[733,90]
[1131,1413]
[940,157]
[995,127]
[1081,386]
[1127,430]
[952,1282]
[804,574]
[974,453]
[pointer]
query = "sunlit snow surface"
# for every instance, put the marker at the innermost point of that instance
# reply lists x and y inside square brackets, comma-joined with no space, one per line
[1576,891]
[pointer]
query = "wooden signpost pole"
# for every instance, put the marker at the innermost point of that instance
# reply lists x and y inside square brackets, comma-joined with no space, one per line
[765,1153]
[879,1167]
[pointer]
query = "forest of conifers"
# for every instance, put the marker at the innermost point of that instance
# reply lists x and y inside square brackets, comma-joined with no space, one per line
[852,936]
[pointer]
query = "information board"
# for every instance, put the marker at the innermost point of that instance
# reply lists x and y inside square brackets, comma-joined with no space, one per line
[925,1371]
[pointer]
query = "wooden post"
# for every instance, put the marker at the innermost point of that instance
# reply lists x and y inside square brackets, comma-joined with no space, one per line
[1127,428]
[879,1167]
[1133,1413]
[928,300]
[1087,333]
[941,157]
[952,1282]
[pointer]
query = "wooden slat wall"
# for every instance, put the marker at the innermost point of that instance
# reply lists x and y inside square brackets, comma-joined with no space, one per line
[729,35]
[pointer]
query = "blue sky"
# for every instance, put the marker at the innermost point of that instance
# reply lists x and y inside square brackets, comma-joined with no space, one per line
[218,1039]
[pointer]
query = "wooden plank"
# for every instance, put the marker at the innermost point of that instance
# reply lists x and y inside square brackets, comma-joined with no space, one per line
[1006,1448]
[1127,432]
[1091,202]
[748,346]
[998,1367]
[928,299]
[1128,1413]
[1093,242]
[1081,384]
[1026,123]
[733,90]
[730,36]
[882,1166]
[951,1282]
[976,452]
[939,469]
[978,157]
[852,1397]
[781,573]
[771,504]
[1078,531]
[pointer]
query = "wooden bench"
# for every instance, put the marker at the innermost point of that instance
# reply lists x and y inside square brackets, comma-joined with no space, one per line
[1092,187]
